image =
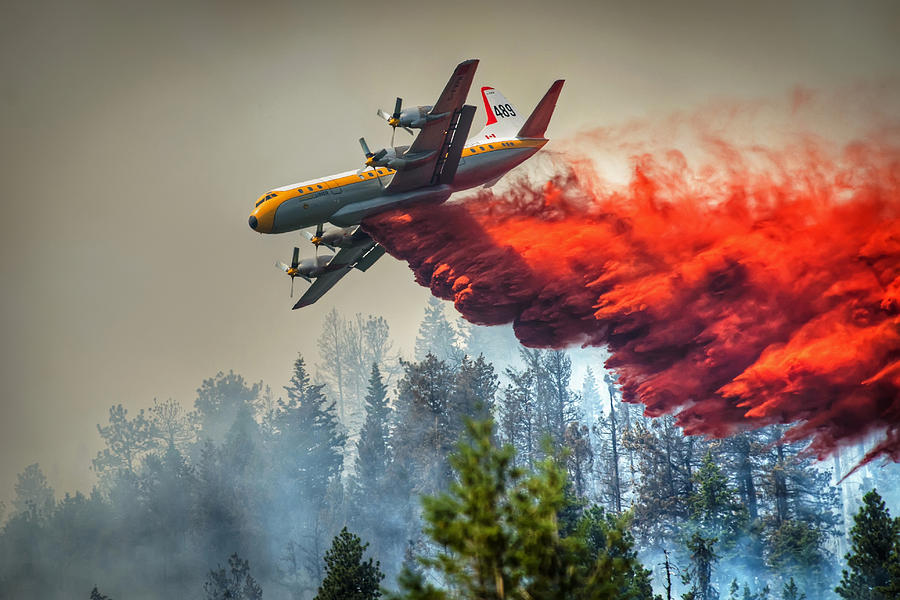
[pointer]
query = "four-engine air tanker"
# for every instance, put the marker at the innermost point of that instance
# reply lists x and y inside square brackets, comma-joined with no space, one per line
[440,161]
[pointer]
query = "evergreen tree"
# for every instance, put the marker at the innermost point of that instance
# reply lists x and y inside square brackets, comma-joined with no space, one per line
[715,510]
[590,397]
[791,592]
[96,595]
[874,539]
[733,590]
[579,456]
[372,456]
[500,536]
[436,336]
[700,572]
[126,442]
[371,483]
[307,437]
[665,483]
[170,424]
[474,388]
[516,412]
[219,400]
[423,436]
[234,584]
[33,494]
[347,576]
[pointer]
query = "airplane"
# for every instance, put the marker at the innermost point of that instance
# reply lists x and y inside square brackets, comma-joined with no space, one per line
[439,162]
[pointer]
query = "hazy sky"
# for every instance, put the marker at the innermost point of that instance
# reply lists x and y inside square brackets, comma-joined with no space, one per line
[137,135]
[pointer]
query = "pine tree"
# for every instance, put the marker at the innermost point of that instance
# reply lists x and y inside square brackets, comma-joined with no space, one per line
[664,486]
[714,508]
[219,400]
[126,442]
[499,535]
[372,456]
[371,485]
[33,494]
[474,388]
[516,412]
[234,584]
[423,437]
[436,336]
[791,591]
[308,438]
[347,576]
[699,574]
[874,538]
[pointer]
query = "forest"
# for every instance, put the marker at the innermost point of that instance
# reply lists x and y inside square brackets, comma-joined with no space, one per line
[476,468]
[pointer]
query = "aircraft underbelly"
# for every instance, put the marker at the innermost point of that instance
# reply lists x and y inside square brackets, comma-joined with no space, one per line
[353,213]
[481,168]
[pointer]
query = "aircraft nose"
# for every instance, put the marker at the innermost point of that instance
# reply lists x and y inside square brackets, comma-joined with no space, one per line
[253,223]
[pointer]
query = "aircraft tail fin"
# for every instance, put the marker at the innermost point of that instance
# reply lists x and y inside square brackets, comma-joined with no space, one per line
[503,120]
[448,171]
[536,125]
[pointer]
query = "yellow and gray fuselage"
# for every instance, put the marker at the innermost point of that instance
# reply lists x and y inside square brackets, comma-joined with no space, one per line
[347,198]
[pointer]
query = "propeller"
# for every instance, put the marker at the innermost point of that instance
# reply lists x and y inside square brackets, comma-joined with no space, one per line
[291,270]
[394,119]
[317,238]
[371,157]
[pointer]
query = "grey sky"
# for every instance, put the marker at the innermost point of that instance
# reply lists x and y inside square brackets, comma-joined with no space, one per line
[136,136]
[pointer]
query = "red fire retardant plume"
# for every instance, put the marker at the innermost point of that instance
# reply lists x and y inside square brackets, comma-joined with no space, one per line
[758,287]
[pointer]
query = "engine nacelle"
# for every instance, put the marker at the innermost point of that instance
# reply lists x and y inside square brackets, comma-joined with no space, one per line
[313,266]
[414,117]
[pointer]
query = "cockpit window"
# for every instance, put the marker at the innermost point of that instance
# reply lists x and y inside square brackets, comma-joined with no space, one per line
[267,197]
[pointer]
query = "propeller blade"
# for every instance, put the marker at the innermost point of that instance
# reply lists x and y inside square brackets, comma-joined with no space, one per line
[282,266]
[380,154]
[397,107]
[383,115]
[292,287]
[320,229]
[295,260]
[365,147]
[393,132]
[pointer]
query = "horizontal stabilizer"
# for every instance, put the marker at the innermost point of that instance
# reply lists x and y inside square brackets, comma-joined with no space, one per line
[536,125]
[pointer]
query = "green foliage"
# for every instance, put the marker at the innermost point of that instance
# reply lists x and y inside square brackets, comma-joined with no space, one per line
[699,574]
[234,584]
[347,576]
[791,591]
[715,510]
[499,535]
[872,560]
[306,437]
[796,550]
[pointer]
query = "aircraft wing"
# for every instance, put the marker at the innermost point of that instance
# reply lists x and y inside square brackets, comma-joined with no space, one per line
[433,141]
[361,254]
